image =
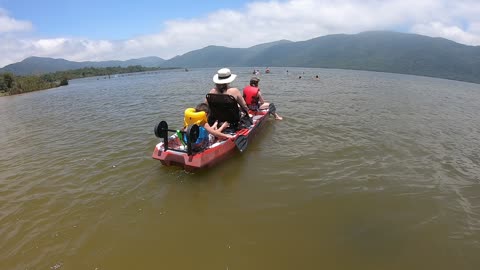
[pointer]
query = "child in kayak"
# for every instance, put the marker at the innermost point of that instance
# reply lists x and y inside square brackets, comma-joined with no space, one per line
[213,129]
[208,134]
[254,99]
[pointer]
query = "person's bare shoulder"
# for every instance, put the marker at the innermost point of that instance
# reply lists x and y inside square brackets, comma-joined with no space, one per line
[234,91]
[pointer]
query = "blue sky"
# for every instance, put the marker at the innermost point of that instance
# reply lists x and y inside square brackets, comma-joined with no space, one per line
[105,30]
[107,19]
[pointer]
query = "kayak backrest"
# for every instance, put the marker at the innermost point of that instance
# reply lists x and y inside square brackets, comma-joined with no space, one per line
[224,108]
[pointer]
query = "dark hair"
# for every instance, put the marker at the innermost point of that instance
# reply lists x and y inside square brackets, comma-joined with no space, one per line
[202,107]
[221,87]
[254,81]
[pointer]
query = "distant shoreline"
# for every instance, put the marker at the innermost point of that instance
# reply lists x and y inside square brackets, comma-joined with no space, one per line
[11,85]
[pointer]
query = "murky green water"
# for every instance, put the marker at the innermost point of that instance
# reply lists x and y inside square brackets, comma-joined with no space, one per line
[366,171]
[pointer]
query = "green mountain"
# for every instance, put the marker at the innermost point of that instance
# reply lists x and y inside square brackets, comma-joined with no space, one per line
[375,51]
[217,56]
[41,65]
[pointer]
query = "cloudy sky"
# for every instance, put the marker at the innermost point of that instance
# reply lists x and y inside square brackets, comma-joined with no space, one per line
[114,30]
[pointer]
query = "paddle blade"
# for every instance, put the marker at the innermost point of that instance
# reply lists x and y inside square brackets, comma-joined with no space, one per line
[193,133]
[241,142]
[161,130]
[272,109]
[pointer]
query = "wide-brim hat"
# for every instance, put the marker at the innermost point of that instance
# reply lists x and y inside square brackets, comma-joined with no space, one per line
[224,76]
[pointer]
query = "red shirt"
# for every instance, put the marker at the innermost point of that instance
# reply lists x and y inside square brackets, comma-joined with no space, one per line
[250,94]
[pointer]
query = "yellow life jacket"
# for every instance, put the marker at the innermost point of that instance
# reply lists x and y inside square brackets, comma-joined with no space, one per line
[194,117]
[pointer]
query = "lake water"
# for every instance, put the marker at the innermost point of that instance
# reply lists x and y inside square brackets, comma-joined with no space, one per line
[366,171]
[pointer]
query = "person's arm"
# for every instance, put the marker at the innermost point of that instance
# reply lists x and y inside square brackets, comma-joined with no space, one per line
[260,97]
[241,101]
[212,91]
[217,132]
[222,127]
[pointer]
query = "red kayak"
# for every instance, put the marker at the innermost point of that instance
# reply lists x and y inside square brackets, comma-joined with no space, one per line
[172,151]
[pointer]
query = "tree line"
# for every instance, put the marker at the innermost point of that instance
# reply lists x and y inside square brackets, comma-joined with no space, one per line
[11,84]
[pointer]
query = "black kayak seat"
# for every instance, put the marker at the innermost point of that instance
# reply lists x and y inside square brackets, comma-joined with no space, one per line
[224,108]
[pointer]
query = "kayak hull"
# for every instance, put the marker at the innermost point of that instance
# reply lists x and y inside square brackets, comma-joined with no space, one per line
[210,156]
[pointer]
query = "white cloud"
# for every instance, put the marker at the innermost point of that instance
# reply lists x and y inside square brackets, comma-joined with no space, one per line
[438,29]
[475,28]
[266,21]
[8,24]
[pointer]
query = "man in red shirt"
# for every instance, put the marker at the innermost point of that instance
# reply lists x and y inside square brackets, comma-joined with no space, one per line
[254,99]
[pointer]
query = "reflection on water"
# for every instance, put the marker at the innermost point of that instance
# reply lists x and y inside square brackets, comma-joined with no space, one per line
[369,170]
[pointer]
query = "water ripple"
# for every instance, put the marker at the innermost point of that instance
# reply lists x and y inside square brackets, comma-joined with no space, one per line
[365,162]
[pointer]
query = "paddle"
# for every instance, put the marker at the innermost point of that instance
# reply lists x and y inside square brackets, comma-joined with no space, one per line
[161,130]
[272,109]
[241,142]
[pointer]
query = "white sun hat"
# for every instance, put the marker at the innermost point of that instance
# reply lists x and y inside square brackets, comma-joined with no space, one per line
[224,76]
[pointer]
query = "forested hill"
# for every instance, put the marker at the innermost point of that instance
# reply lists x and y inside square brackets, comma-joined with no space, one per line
[42,65]
[375,51]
